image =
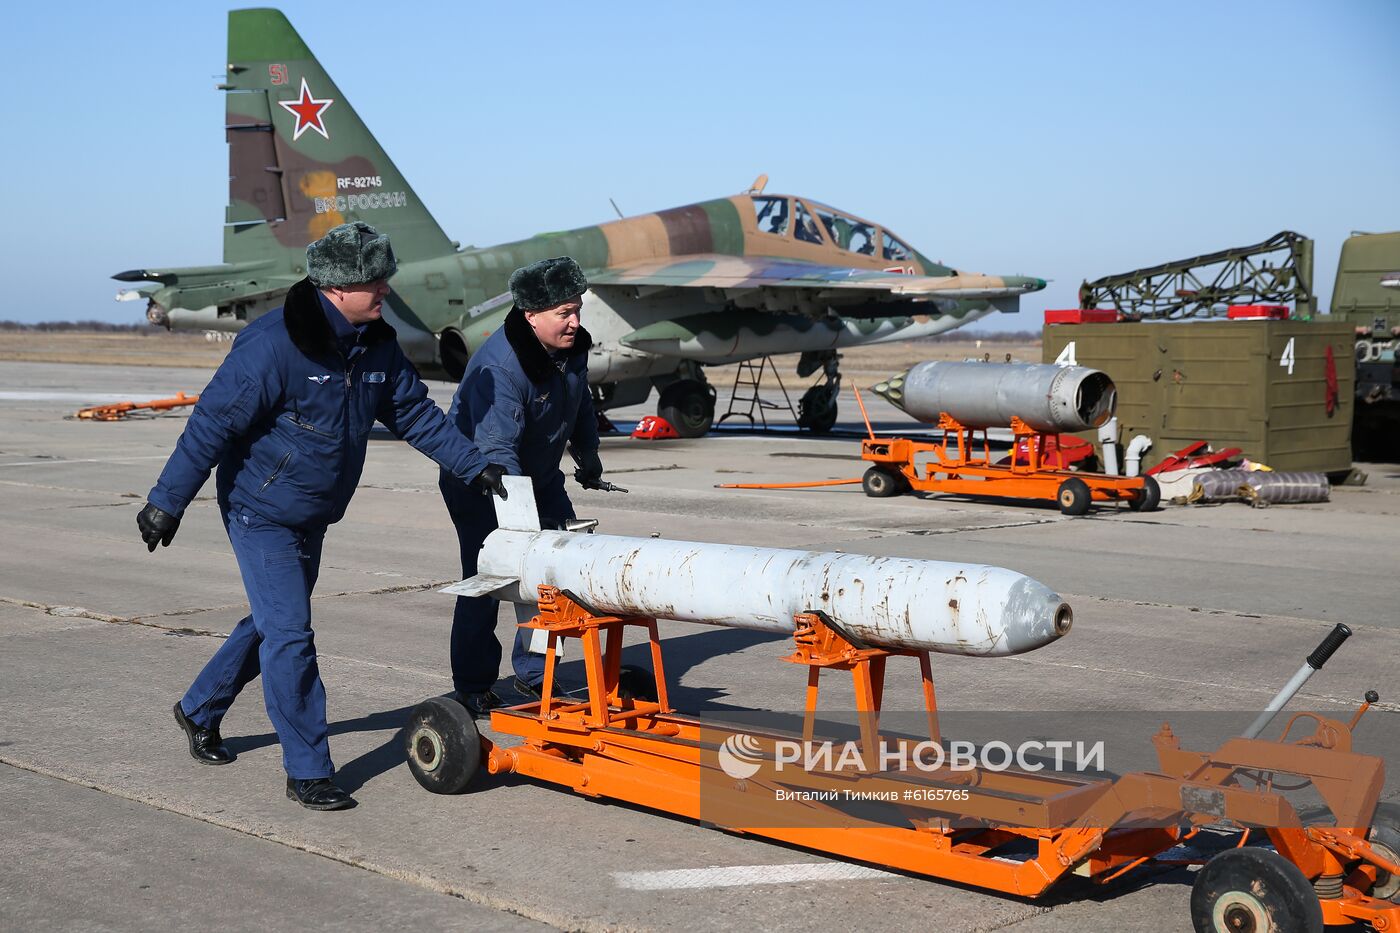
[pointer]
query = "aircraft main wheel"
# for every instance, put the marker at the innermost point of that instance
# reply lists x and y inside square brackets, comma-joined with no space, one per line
[453,353]
[1073,496]
[1253,890]
[816,410]
[636,683]
[880,483]
[442,745]
[689,405]
[1385,839]
[1149,499]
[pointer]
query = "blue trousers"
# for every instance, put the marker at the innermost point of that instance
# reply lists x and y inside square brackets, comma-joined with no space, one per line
[475,649]
[279,567]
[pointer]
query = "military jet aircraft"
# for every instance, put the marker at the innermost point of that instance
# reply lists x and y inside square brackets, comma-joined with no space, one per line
[720,281]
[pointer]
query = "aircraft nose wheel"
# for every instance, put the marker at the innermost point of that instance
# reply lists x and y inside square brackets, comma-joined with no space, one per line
[442,745]
[1253,890]
[817,409]
[689,405]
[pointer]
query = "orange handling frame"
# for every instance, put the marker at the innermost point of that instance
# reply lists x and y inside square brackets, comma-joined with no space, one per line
[958,465]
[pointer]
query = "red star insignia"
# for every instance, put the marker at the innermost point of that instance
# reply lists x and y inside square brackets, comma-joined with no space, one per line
[307,110]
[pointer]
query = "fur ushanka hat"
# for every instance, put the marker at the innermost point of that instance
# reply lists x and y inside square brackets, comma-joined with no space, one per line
[547,283]
[350,254]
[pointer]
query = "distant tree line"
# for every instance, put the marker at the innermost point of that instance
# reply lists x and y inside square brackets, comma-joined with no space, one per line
[100,327]
[962,335]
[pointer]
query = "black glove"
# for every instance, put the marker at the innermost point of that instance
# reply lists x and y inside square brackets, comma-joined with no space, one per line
[488,481]
[590,469]
[157,526]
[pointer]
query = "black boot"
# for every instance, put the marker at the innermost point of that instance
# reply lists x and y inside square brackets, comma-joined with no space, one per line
[318,794]
[479,704]
[206,747]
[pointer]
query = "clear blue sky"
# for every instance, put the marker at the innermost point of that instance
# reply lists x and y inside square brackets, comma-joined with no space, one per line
[1063,140]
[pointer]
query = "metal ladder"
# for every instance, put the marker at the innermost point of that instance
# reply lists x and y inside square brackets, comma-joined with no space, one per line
[748,377]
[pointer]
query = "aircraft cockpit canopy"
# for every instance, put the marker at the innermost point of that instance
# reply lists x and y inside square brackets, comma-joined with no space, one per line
[772,214]
[806,229]
[848,233]
[811,222]
[891,248]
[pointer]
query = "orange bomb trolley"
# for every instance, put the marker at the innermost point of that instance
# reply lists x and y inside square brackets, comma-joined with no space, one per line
[1038,401]
[960,465]
[626,742]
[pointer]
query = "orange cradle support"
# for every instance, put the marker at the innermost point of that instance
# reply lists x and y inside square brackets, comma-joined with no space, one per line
[961,463]
[1008,830]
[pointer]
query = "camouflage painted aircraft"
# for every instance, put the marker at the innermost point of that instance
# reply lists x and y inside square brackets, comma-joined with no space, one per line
[716,282]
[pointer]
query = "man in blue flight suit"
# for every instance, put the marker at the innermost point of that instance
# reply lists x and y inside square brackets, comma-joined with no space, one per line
[523,397]
[286,419]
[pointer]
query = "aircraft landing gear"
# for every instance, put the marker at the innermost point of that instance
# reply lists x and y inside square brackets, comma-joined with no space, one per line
[688,403]
[816,410]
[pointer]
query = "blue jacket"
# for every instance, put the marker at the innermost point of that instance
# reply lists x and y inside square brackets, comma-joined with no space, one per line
[521,409]
[286,419]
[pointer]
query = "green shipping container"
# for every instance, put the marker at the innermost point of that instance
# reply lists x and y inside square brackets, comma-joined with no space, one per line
[1261,386]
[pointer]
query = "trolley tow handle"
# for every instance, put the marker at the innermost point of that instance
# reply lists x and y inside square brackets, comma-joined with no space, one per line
[864,416]
[1372,697]
[1311,666]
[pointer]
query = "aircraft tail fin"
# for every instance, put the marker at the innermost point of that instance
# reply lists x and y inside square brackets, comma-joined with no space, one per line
[300,159]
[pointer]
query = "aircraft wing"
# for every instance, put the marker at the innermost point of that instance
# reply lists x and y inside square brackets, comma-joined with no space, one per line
[818,284]
[764,305]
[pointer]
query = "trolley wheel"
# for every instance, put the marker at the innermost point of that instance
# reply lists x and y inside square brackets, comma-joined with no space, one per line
[880,483]
[442,745]
[1385,839]
[636,683]
[1073,496]
[1149,499]
[1253,890]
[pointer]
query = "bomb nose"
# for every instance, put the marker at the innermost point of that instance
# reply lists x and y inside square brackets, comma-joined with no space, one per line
[1064,618]
[892,389]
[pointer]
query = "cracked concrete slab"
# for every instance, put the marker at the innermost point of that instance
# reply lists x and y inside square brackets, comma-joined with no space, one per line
[81,858]
[1180,610]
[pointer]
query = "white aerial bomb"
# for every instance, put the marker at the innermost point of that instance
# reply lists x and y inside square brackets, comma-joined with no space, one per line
[891,602]
[1046,396]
